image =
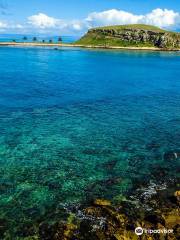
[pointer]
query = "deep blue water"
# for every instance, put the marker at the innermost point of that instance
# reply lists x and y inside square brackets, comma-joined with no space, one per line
[77,124]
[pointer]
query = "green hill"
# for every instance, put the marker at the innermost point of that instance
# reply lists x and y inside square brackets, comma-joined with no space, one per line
[133,26]
[133,35]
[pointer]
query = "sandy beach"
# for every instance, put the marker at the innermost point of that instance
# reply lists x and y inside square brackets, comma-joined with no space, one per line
[38,44]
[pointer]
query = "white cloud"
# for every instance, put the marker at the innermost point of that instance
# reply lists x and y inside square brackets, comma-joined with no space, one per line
[162,18]
[18,26]
[2,25]
[9,25]
[43,21]
[112,17]
[76,25]
[46,23]
[158,17]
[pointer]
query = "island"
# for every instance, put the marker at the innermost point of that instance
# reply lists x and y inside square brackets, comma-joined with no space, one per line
[130,37]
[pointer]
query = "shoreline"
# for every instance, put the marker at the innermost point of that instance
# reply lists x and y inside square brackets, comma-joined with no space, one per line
[38,44]
[102,218]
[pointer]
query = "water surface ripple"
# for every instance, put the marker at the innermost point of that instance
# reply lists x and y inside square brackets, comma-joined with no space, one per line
[77,124]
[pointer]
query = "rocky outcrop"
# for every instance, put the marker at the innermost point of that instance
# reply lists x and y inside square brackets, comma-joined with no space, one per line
[105,220]
[134,36]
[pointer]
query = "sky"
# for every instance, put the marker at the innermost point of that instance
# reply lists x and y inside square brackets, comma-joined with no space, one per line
[77,16]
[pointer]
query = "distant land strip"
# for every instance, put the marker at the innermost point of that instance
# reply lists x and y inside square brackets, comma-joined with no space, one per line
[33,44]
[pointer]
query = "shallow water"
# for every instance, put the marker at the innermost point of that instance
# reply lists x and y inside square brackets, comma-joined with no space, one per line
[79,124]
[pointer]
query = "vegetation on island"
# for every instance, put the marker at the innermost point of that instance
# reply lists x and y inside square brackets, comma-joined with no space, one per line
[133,35]
[35,39]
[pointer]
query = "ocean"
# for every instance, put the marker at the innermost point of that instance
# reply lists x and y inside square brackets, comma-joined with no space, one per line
[38,38]
[80,124]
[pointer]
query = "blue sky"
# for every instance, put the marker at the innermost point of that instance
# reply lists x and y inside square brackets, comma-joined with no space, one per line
[72,16]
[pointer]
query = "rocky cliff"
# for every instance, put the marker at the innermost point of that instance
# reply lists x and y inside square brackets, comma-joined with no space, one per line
[131,35]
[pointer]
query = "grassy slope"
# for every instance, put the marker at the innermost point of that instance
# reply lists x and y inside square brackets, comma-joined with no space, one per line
[100,39]
[133,26]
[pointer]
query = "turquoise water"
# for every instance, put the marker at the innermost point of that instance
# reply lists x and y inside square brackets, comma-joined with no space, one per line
[79,124]
[20,38]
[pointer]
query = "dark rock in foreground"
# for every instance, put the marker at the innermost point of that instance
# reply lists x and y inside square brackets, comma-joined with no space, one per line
[103,220]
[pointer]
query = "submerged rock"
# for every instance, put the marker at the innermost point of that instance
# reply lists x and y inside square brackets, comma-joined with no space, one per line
[152,146]
[177,195]
[3,227]
[171,155]
[112,181]
[104,220]
[102,202]
[155,219]
[46,231]
[69,230]
[172,218]
[96,151]
[110,165]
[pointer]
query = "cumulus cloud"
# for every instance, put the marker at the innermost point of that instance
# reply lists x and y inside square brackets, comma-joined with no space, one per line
[5,25]
[112,17]
[77,25]
[10,27]
[162,18]
[43,23]
[158,17]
